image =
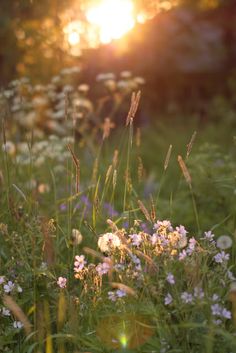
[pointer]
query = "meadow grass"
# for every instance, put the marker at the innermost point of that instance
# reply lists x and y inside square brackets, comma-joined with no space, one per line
[122,242]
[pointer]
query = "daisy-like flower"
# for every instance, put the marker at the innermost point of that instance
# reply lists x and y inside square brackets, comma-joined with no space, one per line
[8,287]
[62,281]
[170,278]
[168,299]
[187,298]
[79,263]
[108,241]
[221,257]
[224,242]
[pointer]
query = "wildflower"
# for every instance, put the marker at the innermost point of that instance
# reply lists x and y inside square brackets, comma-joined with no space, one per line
[62,281]
[137,262]
[226,314]
[182,241]
[136,239]
[63,207]
[103,268]
[166,224]
[224,242]
[154,239]
[2,279]
[217,322]
[170,278]
[8,287]
[209,235]
[181,230]
[5,312]
[76,236]
[215,297]
[216,310]
[108,242]
[182,255]
[17,324]
[191,246]
[168,299]
[112,296]
[79,263]
[187,297]
[221,257]
[120,293]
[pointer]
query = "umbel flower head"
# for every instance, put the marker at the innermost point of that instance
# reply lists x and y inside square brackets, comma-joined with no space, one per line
[108,242]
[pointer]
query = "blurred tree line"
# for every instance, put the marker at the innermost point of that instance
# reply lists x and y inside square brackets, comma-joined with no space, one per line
[31,34]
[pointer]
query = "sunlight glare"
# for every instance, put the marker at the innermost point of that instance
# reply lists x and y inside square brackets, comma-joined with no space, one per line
[113,18]
[72,31]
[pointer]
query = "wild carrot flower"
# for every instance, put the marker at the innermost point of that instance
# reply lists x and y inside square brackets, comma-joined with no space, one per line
[62,281]
[108,242]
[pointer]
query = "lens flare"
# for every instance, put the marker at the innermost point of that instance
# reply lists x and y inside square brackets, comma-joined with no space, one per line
[72,32]
[113,18]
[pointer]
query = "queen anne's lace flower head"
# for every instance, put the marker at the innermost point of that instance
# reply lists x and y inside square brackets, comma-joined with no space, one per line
[108,242]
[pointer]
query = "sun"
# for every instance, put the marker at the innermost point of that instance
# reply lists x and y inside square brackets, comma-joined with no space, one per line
[113,18]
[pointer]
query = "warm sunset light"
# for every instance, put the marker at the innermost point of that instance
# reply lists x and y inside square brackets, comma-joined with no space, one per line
[72,32]
[113,18]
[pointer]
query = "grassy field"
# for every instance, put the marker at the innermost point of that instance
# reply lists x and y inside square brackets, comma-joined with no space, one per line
[118,239]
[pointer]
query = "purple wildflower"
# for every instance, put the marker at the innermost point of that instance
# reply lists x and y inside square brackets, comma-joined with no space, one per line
[170,278]
[221,257]
[187,297]
[168,299]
